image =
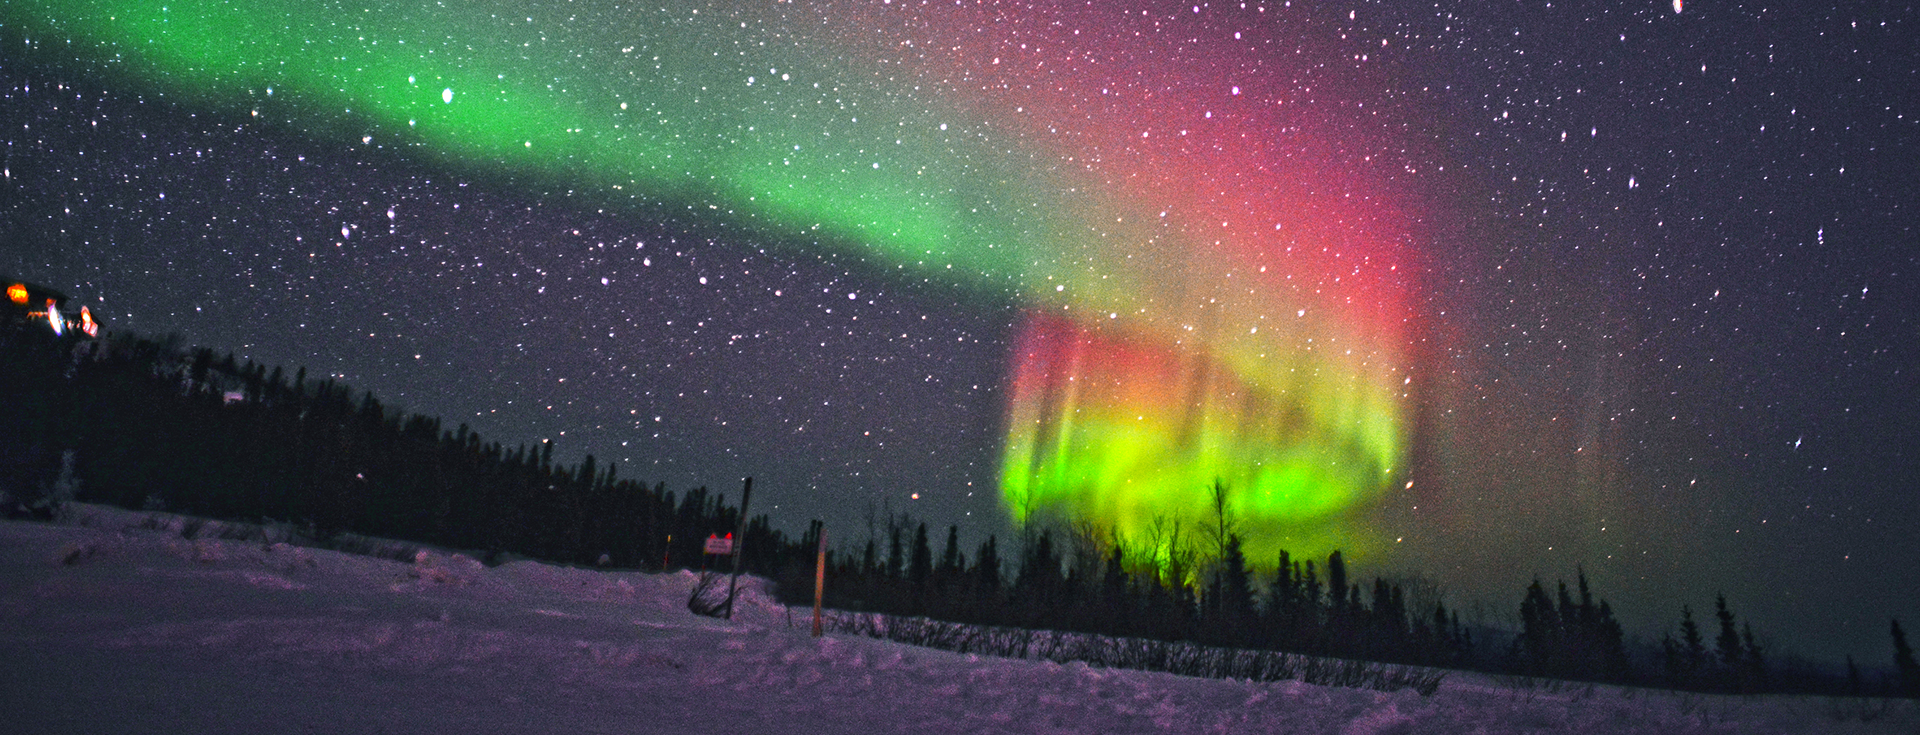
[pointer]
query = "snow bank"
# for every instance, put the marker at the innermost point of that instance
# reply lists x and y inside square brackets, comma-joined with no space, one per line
[124,624]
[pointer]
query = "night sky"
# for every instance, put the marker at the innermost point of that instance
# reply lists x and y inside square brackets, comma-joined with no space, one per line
[1477,292]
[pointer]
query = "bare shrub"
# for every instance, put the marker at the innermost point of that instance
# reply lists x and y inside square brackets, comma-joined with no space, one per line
[709,596]
[1183,658]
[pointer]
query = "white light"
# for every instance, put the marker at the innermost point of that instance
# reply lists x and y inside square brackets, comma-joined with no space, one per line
[446,95]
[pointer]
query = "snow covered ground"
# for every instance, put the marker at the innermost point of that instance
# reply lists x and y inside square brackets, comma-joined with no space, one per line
[107,628]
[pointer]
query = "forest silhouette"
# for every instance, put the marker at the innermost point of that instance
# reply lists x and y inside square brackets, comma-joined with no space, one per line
[148,424]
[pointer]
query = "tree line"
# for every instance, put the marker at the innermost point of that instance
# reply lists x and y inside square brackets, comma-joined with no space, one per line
[1072,579]
[144,423]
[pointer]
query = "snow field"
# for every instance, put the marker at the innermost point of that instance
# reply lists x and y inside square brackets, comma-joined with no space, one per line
[114,622]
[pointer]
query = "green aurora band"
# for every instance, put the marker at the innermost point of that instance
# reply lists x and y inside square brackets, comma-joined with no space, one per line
[1213,276]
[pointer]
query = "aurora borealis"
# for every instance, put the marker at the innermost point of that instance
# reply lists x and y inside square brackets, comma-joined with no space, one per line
[1468,292]
[1204,302]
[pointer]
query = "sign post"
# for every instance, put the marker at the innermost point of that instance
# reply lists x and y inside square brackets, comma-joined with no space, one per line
[746,494]
[819,578]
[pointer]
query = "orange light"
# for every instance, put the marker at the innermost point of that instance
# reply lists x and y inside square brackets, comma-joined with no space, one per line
[87,324]
[17,292]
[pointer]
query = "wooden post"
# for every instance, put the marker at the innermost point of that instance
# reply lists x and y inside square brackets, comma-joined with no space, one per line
[739,542]
[819,578]
[666,555]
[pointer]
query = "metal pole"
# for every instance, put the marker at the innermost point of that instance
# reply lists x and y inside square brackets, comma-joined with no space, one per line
[819,578]
[739,542]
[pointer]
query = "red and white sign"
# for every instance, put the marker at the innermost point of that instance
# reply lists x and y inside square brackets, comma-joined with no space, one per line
[720,545]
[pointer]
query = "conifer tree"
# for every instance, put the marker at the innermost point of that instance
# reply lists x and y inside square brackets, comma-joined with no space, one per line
[1115,594]
[1756,662]
[920,569]
[1903,661]
[1729,640]
[1539,639]
[986,566]
[952,562]
[1282,603]
[1039,578]
[1336,586]
[1236,588]
[1310,595]
[1693,650]
[896,552]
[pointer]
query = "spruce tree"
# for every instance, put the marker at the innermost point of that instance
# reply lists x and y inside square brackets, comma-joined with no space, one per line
[896,552]
[1336,586]
[1116,600]
[1756,662]
[920,569]
[1693,651]
[1904,662]
[1236,589]
[1729,640]
[1310,596]
[1282,602]
[951,561]
[1538,645]
[1039,578]
[986,567]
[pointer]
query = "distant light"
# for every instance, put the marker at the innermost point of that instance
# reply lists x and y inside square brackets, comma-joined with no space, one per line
[446,95]
[17,293]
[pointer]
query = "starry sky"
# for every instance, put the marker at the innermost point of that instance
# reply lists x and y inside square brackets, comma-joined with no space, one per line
[1475,292]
